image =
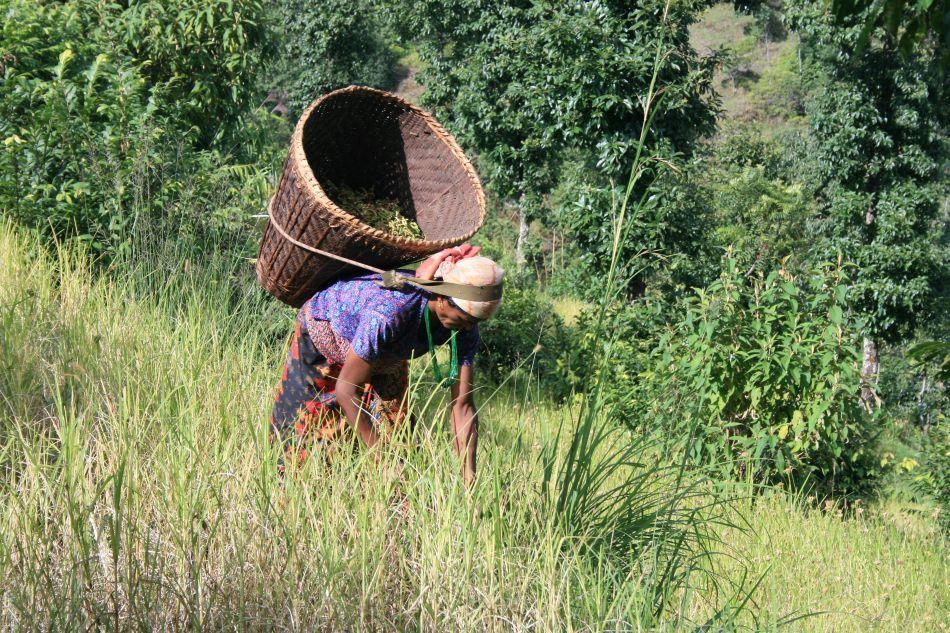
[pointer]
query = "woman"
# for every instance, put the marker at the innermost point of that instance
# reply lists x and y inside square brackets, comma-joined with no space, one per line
[347,368]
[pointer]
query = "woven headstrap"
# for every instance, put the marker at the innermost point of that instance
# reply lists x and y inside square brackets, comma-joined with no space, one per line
[392,279]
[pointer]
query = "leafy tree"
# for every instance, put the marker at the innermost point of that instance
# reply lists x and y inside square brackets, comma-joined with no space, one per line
[936,352]
[668,243]
[329,44]
[908,22]
[201,54]
[878,121]
[763,220]
[526,85]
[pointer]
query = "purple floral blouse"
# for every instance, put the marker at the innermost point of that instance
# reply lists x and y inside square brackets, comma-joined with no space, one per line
[381,324]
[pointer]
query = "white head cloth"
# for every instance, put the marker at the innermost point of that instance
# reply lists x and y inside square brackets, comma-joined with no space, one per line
[474,271]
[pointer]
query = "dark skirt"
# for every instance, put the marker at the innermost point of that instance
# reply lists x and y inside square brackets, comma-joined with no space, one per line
[306,415]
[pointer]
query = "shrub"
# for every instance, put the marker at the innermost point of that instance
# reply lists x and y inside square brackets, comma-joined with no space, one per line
[937,469]
[767,371]
[933,358]
[100,130]
[762,220]
[780,91]
[76,125]
[202,55]
[524,339]
[667,241]
[627,332]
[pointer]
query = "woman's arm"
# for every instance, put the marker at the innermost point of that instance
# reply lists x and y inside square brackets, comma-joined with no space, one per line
[465,423]
[356,372]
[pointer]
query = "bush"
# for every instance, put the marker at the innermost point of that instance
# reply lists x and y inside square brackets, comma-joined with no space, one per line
[780,91]
[77,127]
[666,243]
[937,469]
[202,55]
[625,332]
[766,370]
[100,130]
[762,220]
[524,339]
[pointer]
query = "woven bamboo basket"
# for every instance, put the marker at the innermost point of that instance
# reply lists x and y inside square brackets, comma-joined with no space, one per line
[367,139]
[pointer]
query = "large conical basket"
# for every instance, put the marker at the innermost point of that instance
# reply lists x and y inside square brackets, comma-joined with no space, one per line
[364,139]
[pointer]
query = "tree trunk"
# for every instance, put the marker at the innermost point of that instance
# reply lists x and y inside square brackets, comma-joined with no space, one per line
[520,258]
[870,367]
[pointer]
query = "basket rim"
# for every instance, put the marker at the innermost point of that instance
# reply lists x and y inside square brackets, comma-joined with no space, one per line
[314,189]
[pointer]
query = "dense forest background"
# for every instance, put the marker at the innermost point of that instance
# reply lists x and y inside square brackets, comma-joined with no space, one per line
[742,208]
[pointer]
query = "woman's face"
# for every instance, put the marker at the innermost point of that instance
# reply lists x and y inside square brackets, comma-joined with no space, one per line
[450,316]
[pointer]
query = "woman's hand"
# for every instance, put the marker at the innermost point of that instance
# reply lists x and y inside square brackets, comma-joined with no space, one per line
[429,267]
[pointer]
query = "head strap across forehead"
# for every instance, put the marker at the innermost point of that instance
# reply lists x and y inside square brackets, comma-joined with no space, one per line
[392,279]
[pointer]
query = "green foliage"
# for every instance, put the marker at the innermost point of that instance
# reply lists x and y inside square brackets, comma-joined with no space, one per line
[780,91]
[743,145]
[525,340]
[200,55]
[626,331]
[877,121]
[77,126]
[100,130]
[762,374]
[912,388]
[935,352]
[937,468]
[667,242]
[762,220]
[326,45]
[529,86]
[907,21]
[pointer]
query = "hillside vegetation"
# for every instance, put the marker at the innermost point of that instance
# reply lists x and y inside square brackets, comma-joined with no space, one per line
[714,397]
[139,492]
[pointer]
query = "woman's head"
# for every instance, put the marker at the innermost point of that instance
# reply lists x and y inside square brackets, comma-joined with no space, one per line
[471,271]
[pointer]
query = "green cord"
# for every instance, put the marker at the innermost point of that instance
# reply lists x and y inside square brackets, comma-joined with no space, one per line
[454,356]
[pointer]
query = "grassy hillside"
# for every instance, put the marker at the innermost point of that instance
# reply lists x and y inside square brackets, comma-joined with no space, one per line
[765,70]
[139,490]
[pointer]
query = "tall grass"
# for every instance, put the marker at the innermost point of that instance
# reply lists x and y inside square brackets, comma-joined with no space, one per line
[139,486]
[630,512]
[140,490]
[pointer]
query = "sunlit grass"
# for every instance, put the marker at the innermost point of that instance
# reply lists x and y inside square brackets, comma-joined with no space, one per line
[568,308]
[139,487]
[882,568]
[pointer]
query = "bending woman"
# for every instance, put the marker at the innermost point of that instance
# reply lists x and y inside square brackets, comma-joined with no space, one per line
[347,369]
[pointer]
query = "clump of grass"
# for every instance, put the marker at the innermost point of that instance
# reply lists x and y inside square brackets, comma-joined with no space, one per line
[381,213]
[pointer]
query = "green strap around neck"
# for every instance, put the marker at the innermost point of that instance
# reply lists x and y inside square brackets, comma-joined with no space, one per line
[454,357]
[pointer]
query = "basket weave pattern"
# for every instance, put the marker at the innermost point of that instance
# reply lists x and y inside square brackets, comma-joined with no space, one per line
[363,138]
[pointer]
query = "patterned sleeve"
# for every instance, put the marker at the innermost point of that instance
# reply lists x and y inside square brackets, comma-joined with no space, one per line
[372,335]
[468,345]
